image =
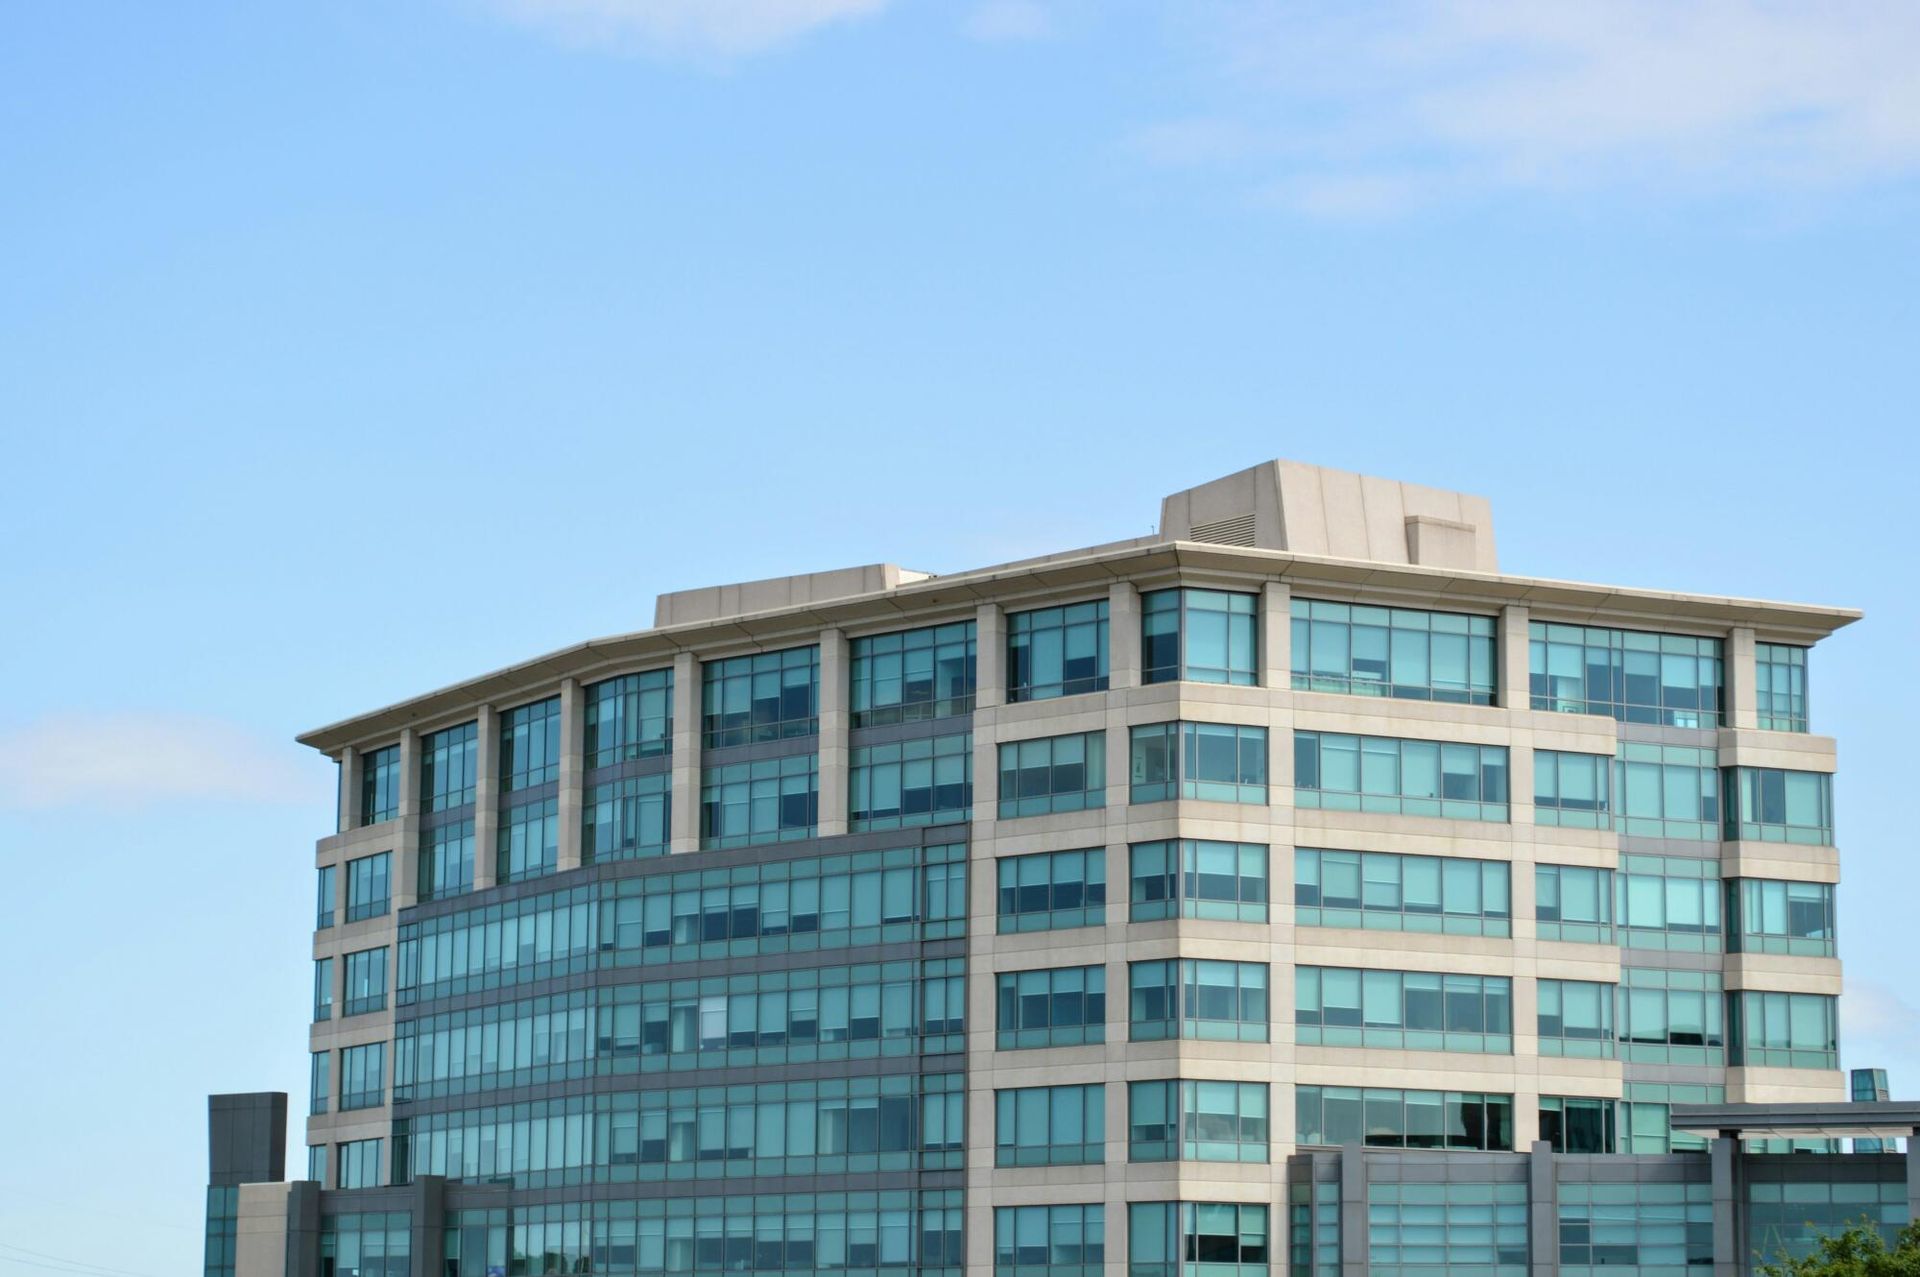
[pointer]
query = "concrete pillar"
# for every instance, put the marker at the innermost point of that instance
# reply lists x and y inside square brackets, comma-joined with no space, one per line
[1913,1173]
[683,828]
[1276,635]
[1543,1212]
[1353,1211]
[1728,1244]
[1739,676]
[1512,661]
[990,657]
[303,1228]
[486,799]
[406,846]
[428,1203]
[1123,635]
[349,789]
[573,770]
[835,659]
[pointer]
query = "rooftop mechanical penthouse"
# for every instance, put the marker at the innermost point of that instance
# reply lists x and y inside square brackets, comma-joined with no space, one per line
[1290,889]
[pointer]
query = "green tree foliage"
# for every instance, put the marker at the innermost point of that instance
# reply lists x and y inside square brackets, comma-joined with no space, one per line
[1859,1251]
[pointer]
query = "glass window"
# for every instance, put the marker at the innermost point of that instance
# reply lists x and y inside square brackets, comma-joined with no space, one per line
[1057,651]
[1666,791]
[1781,917]
[1194,878]
[366,981]
[1577,1125]
[1576,1019]
[626,819]
[915,782]
[369,886]
[380,785]
[831,1126]
[1671,1017]
[1780,686]
[317,1163]
[768,800]
[630,717]
[1785,1030]
[913,675]
[1199,636]
[1472,1229]
[1412,777]
[1627,1228]
[1407,1010]
[363,1076]
[1670,679]
[1050,1126]
[449,767]
[766,696]
[1187,1120]
[1196,1239]
[1391,1118]
[322,989]
[1645,1125]
[1058,1006]
[318,1085]
[1571,790]
[1668,902]
[1766,804]
[529,840]
[367,1244]
[1053,773]
[1789,1218]
[1053,890]
[323,917]
[1574,903]
[1049,1241]
[1396,652]
[530,745]
[1199,999]
[446,860]
[1216,762]
[359,1167]
[1385,891]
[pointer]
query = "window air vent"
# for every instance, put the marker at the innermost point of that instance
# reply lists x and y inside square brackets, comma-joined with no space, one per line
[1237,530]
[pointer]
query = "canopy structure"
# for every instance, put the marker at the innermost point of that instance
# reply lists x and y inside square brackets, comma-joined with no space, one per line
[1881,1119]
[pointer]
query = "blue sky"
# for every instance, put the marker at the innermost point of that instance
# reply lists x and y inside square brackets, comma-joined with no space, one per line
[351,348]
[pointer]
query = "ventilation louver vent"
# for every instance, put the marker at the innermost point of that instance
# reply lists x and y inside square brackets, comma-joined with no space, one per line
[1237,530]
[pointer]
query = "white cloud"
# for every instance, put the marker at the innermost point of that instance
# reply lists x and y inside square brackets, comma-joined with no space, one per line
[1428,98]
[1009,20]
[131,759]
[696,27]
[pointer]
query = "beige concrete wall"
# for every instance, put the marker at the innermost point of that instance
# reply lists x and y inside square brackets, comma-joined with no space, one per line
[260,1231]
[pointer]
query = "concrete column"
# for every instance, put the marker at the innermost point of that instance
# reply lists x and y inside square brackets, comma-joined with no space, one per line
[1742,697]
[303,1225]
[1353,1211]
[406,849]
[1511,659]
[990,656]
[428,1202]
[573,770]
[835,657]
[486,798]
[683,829]
[1728,1244]
[349,789]
[1123,635]
[409,773]
[1276,635]
[1543,1212]
[1913,1173]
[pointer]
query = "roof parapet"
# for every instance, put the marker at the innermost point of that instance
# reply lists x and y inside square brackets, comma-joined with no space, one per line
[716,602]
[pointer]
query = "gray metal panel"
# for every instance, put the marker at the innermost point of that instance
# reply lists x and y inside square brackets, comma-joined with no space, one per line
[247,1138]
